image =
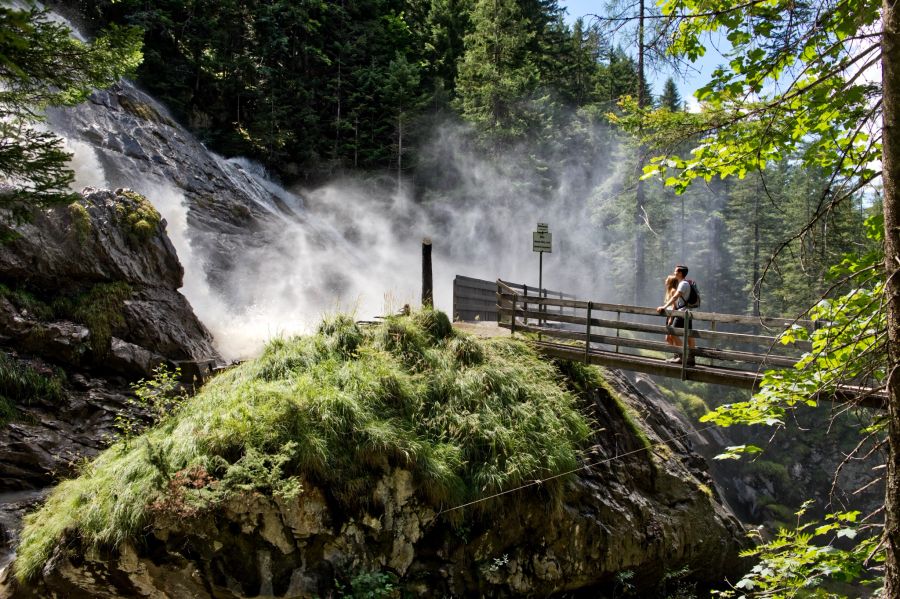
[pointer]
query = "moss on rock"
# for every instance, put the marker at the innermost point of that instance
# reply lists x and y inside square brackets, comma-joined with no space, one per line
[138,215]
[81,221]
[467,417]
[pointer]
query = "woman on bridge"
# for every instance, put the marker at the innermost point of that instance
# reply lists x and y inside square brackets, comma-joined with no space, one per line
[671,290]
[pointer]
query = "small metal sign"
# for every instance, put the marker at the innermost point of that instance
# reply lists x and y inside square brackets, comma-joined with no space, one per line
[542,241]
[543,228]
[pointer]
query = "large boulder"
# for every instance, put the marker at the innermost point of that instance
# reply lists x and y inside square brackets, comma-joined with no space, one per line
[641,510]
[89,304]
[96,284]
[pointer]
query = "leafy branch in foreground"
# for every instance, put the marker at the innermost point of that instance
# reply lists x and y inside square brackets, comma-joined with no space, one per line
[848,346]
[808,556]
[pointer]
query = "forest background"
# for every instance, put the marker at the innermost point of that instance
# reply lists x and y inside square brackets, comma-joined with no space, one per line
[320,90]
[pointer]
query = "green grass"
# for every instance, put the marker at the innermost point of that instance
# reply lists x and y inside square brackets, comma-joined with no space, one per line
[99,307]
[468,417]
[21,384]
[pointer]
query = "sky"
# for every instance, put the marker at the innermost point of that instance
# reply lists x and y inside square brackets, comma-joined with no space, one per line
[688,82]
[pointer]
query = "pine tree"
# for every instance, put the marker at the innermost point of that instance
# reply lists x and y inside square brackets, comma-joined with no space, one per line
[670,98]
[496,74]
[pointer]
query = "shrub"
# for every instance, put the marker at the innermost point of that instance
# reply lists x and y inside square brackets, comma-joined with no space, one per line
[20,383]
[158,397]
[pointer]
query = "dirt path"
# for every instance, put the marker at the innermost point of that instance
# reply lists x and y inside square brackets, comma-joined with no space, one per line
[482,329]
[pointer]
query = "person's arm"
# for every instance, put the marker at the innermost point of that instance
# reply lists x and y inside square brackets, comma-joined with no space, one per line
[665,306]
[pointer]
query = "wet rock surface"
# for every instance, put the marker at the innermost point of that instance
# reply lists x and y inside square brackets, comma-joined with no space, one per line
[644,506]
[136,141]
[89,299]
[101,240]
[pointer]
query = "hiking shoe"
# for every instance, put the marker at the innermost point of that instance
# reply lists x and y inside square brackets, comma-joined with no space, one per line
[691,362]
[674,360]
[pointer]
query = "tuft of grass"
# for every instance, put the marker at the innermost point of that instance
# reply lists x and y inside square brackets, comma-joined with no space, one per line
[467,417]
[24,299]
[21,384]
[434,323]
[99,309]
[138,215]
[7,411]
[466,351]
[342,333]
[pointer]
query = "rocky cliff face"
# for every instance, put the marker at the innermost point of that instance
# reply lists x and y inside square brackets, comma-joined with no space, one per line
[806,460]
[89,302]
[642,509]
[96,284]
[139,146]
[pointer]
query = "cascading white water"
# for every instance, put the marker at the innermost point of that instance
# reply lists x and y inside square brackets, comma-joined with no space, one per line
[348,246]
[261,260]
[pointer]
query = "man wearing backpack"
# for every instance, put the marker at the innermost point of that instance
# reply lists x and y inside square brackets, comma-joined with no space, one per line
[686,296]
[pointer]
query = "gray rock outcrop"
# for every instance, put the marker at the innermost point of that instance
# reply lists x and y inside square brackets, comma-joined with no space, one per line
[88,298]
[108,238]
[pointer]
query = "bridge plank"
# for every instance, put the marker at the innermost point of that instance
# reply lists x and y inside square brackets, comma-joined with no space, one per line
[661,346]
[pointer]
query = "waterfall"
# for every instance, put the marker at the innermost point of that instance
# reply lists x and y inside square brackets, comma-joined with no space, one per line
[261,260]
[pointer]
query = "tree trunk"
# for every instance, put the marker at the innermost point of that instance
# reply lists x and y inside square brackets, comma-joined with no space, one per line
[639,213]
[756,287]
[890,65]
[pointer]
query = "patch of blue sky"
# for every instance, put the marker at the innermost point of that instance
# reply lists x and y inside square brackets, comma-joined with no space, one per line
[688,76]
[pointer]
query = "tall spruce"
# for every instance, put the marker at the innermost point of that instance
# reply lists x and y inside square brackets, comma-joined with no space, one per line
[497,74]
[670,99]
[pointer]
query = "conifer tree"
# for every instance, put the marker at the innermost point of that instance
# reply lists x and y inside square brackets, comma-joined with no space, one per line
[670,99]
[497,74]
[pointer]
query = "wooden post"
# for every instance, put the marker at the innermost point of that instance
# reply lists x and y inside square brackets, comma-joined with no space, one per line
[512,322]
[540,287]
[684,344]
[427,286]
[525,291]
[618,320]
[587,341]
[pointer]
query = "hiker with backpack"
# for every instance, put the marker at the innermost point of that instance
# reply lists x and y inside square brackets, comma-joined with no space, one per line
[686,296]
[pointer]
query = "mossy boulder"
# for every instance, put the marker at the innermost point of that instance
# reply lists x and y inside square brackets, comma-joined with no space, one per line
[103,262]
[449,464]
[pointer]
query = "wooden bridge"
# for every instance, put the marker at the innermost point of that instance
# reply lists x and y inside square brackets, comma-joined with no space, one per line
[737,349]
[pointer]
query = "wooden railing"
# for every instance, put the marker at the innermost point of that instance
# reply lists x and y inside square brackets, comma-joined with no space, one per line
[474,299]
[731,349]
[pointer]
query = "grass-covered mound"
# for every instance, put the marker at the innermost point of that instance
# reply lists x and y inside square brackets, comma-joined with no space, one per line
[468,417]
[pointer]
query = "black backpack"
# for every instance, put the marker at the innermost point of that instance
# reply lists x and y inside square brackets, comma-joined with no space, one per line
[693,300]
